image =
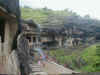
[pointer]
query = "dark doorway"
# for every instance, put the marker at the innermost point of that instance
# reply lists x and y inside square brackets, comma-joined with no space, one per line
[34,39]
[2,28]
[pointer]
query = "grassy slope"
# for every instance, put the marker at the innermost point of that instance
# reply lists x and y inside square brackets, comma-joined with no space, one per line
[41,15]
[82,61]
[37,15]
[91,58]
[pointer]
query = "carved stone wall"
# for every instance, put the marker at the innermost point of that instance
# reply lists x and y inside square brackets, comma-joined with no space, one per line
[23,54]
[13,64]
[6,54]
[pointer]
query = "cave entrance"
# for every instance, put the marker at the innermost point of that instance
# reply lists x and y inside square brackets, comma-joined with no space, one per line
[2,29]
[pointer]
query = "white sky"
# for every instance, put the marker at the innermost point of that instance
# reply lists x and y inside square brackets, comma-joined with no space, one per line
[82,7]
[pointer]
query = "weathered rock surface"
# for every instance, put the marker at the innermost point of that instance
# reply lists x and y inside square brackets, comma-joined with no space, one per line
[23,54]
[13,64]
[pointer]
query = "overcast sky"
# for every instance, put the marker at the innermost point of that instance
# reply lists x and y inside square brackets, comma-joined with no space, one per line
[82,7]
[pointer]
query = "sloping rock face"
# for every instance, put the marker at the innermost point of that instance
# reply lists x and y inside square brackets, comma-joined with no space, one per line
[13,64]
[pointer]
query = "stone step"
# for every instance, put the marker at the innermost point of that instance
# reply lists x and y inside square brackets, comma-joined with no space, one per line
[36,71]
[39,73]
[35,66]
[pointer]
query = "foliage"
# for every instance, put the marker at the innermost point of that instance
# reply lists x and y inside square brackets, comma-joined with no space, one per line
[42,15]
[69,19]
[37,14]
[91,58]
[86,60]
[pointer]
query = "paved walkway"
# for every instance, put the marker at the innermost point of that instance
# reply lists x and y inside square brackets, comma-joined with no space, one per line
[55,69]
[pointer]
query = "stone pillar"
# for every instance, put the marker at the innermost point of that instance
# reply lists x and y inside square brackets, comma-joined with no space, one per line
[70,41]
[37,42]
[60,42]
[0,47]
[7,45]
[0,51]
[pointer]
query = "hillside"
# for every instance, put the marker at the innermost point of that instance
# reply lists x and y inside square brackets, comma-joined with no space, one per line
[85,60]
[37,15]
[69,19]
[42,15]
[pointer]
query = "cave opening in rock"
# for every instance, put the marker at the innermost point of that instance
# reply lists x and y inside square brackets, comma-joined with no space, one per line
[2,29]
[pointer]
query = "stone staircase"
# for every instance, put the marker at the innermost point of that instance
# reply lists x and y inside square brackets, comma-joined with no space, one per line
[36,70]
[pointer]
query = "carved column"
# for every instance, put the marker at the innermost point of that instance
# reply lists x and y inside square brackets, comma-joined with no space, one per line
[37,41]
[0,47]
[7,45]
[0,51]
[60,42]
